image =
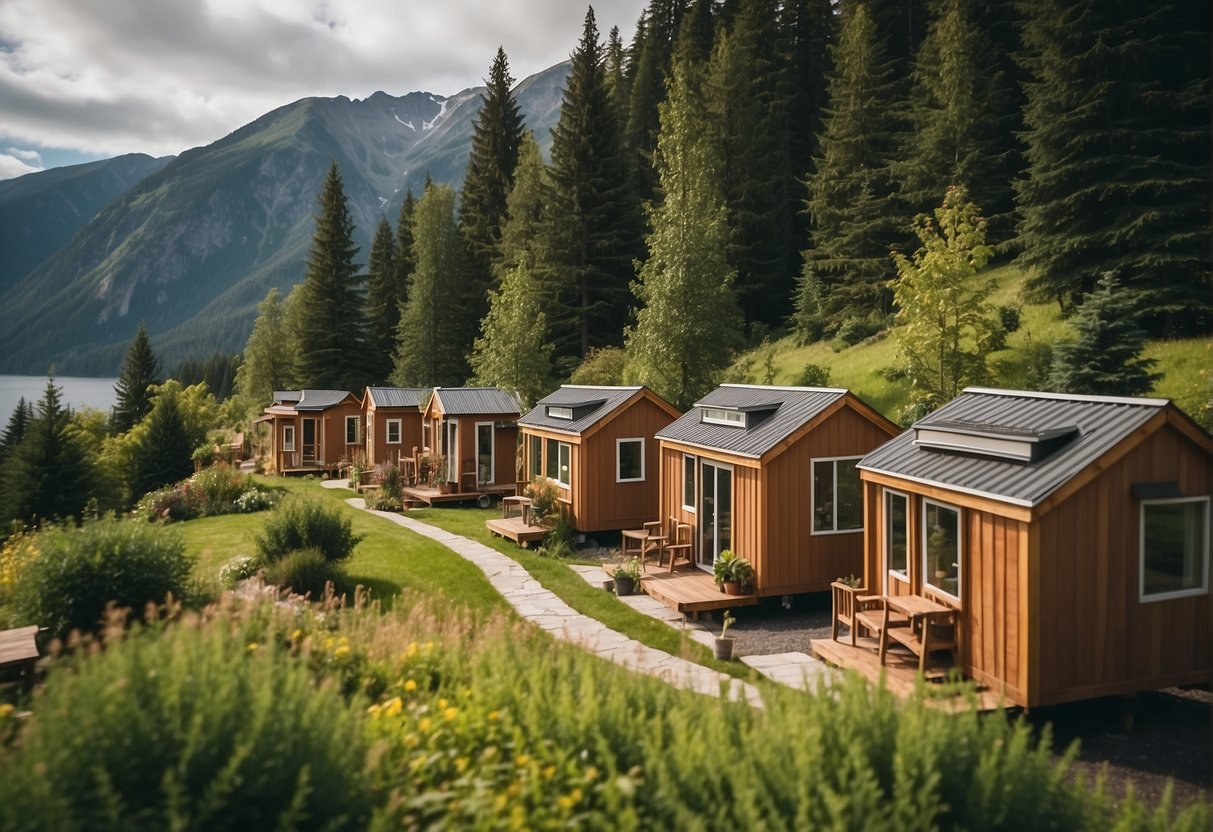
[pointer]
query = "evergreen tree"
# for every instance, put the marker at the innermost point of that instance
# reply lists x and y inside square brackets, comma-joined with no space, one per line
[266,364]
[525,233]
[48,475]
[947,327]
[140,370]
[689,320]
[404,246]
[333,328]
[594,216]
[1118,154]
[696,33]
[809,30]
[496,136]
[164,453]
[648,89]
[218,372]
[512,351]
[616,75]
[900,27]
[383,296]
[434,334]
[15,430]
[855,217]
[1105,359]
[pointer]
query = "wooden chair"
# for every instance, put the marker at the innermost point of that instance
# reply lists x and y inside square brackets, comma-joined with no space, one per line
[654,543]
[681,548]
[930,632]
[856,609]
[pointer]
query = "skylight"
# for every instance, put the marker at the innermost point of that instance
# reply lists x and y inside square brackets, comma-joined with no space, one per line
[1016,444]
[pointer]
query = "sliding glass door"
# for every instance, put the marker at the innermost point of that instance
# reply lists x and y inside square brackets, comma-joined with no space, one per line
[715,512]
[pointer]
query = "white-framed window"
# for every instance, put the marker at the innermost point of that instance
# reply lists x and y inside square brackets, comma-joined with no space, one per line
[288,437]
[896,535]
[629,460]
[1174,548]
[425,434]
[720,416]
[558,461]
[394,431]
[688,482]
[941,548]
[535,468]
[837,496]
[352,423]
[486,447]
[556,412]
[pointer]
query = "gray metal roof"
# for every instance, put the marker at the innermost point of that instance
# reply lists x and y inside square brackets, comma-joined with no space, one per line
[320,399]
[608,399]
[1102,422]
[471,401]
[282,396]
[792,408]
[399,396]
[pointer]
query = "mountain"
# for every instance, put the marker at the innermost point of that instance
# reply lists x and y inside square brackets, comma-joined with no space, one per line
[193,247]
[40,212]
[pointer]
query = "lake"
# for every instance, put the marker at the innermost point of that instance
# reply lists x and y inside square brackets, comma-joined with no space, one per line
[77,392]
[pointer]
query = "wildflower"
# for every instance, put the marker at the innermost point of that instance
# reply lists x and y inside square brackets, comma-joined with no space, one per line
[393,706]
[252,645]
[411,650]
[341,652]
[549,772]
[521,760]
[591,774]
[298,634]
[410,740]
[442,703]
[410,686]
[450,713]
[424,725]
[461,764]
[500,802]
[493,716]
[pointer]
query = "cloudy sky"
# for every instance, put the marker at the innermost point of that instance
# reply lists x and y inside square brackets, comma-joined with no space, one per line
[90,79]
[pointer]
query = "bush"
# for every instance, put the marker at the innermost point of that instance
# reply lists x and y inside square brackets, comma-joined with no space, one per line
[74,572]
[854,330]
[253,500]
[1008,316]
[217,487]
[173,504]
[558,543]
[544,498]
[814,375]
[306,524]
[380,500]
[391,481]
[305,572]
[238,569]
[211,491]
[189,729]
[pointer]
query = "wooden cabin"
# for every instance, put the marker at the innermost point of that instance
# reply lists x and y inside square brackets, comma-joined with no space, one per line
[597,445]
[1069,533]
[392,418]
[313,431]
[769,473]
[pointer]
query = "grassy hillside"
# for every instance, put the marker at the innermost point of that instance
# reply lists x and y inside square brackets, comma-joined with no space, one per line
[1185,364]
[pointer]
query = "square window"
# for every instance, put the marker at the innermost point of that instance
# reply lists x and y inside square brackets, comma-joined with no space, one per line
[1174,548]
[393,431]
[351,429]
[837,496]
[629,460]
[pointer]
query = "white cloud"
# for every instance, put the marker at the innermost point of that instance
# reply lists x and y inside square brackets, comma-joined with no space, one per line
[12,167]
[33,157]
[160,76]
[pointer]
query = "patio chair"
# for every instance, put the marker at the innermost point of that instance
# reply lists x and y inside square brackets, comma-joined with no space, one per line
[855,608]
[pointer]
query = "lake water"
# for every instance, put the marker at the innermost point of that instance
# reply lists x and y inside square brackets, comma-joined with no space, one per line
[77,392]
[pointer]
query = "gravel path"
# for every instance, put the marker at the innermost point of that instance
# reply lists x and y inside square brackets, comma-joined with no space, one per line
[769,628]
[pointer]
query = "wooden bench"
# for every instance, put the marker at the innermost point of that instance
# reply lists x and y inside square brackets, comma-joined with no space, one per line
[932,627]
[857,610]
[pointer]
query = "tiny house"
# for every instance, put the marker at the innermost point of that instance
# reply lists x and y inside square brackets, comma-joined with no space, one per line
[1069,533]
[475,429]
[598,445]
[769,473]
[392,418]
[312,430]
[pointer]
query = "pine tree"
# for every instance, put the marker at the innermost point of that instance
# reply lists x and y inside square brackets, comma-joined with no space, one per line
[163,454]
[15,430]
[512,351]
[140,370]
[496,136]
[525,232]
[809,29]
[615,72]
[404,246]
[1105,359]
[266,364]
[594,216]
[677,352]
[947,326]
[648,90]
[383,296]
[855,217]
[48,475]
[1118,155]
[435,331]
[333,328]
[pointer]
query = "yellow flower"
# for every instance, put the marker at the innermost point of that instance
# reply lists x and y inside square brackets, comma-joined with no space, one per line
[493,716]
[428,646]
[252,645]
[393,706]
[298,634]
[410,686]
[500,802]
[521,760]
[591,774]
[411,650]
[442,703]
[450,713]
[549,772]
[423,725]
[410,740]
[461,764]
[5,710]
[341,652]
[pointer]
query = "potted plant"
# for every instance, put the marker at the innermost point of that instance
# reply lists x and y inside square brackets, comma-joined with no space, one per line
[743,573]
[543,496]
[627,576]
[722,569]
[438,473]
[724,642]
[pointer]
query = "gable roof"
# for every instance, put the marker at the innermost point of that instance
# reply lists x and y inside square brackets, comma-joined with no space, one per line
[474,401]
[322,399]
[590,405]
[1102,422]
[415,397]
[787,409]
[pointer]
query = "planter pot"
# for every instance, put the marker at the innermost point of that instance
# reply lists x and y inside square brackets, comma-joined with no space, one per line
[624,586]
[732,587]
[608,585]
[724,648]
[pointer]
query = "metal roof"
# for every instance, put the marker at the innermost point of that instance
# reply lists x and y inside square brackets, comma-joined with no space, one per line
[470,401]
[321,399]
[283,396]
[608,399]
[790,408]
[399,396]
[1102,423]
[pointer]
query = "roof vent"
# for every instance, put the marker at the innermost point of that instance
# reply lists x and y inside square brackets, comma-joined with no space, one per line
[1015,444]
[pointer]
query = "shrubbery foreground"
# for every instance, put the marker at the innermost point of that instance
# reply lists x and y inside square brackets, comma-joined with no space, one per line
[263,716]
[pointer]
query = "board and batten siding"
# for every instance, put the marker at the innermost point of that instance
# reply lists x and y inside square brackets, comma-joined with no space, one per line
[378,451]
[601,503]
[1097,637]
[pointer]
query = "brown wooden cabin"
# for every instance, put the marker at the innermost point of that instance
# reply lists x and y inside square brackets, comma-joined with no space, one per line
[597,445]
[476,431]
[312,430]
[769,472]
[392,418]
[1070,532]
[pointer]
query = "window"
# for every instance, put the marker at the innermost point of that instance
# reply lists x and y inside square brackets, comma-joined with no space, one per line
[485,449]
[688,482]
[560,412]
[720,416]
[425,434]
[1174,548]
[288,437]
[629,460]
[566,453]
[536,466]
[553,460]
[941,548]
[837,496]
[351,429]
[896,535]
[393,431]
[558,462]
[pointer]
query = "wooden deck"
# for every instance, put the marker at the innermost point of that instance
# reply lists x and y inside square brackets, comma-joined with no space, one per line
[690,590]
[513,528]
[900,673]
[431,496]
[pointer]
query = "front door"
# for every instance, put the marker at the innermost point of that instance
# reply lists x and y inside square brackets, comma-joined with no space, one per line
[715,512]
[450,441]
[309,441]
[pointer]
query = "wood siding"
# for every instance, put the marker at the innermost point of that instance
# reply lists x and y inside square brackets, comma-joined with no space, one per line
[378,451]
[331,447]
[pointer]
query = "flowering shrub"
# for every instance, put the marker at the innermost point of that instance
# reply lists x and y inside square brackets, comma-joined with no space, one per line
[254,499]
[238,569]
[211,491]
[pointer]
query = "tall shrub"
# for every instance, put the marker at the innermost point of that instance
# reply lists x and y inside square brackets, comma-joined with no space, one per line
[306,524]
